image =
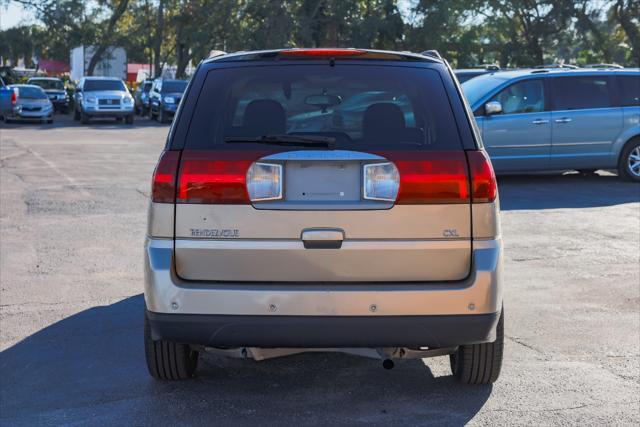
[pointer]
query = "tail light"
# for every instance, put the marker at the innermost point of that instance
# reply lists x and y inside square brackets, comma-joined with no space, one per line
[484,187]
[431,177]
[14,97]
[218,177]
[264,182]
[163,187]
[381,181]
[322,53]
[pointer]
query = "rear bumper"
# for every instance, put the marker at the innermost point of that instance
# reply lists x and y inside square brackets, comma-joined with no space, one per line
[323,331]
[479,293]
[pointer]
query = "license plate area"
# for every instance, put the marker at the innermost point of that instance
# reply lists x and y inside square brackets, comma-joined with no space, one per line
[322,181]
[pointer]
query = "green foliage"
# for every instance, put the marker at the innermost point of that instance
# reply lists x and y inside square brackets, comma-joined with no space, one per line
[467,32]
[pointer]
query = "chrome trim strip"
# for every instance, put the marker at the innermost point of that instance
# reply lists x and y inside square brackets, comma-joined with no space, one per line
[323,155]
[583,143]
[520,146]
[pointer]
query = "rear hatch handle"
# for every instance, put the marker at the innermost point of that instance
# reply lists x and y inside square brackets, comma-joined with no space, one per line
[322,238]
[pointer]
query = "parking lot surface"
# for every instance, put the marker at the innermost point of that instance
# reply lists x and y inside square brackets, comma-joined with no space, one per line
[72,215]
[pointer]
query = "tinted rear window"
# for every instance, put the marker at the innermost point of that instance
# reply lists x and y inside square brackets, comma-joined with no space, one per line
[31,93]
[575,93]
[629,90]
[48,84]
[362,107]
[93,85]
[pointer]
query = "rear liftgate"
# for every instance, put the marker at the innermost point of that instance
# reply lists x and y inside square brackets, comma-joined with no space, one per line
[323,216]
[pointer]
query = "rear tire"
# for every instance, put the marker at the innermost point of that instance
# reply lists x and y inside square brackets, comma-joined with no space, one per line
[480,363]
[161,116]
[629,162]
[168,360]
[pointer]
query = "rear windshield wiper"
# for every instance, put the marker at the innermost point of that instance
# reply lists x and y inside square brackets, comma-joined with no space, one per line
[285,139]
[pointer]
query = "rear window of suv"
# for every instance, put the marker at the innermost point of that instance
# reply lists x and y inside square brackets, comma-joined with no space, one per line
[362,107]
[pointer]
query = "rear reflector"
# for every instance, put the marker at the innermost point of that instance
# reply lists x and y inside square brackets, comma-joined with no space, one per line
[484,188]
[323,53]
[163,186]
[431,177]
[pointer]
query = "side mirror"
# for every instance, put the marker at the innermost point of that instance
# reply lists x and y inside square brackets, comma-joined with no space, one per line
[493,107]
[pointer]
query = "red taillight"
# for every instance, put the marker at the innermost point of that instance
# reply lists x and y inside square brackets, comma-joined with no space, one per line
[163,187]
[14,97]
[431,177]
[216,177]
[484,187]
[324,53]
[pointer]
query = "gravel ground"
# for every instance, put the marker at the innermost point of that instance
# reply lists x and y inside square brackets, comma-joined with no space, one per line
[72,219]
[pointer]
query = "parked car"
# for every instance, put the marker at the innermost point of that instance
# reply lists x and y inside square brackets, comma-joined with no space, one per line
[559,119]
[29,103]
[464,74]
[164,98]
[141,97]
[7,99]
[54,88]
[379,231]
[102,97]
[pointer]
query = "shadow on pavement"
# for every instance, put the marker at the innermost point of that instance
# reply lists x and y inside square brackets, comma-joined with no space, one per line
[90,367]
[571,190]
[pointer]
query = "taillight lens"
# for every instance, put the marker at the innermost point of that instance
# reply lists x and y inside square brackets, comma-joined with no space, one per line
[381,181]
[484,187]
[215,177]
[325,53]
[264,182]
[163,187]
[431,177]
[14,97]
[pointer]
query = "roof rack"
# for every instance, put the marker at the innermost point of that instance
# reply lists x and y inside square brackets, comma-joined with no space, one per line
[214,53]
[432,53]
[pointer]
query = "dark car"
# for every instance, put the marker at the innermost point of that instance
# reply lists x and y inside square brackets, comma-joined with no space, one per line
[164,98]
[55,90]
[141,97]
[324,199]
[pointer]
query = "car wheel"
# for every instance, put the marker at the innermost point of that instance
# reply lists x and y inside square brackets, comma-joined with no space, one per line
[629,163]
[479,363]
[129,119]
[162,117]
[84,118]
[76,114]
[168,360]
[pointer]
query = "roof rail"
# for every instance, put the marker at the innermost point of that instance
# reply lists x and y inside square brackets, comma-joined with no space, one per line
[214,53]
[540,70]
[432,53]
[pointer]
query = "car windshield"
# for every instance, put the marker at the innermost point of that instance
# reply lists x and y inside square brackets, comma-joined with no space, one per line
[171,86]
[474,89]
[366,105]
[31,93]
[47,84]
[95,85]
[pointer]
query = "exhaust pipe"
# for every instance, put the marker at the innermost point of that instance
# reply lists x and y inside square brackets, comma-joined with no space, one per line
[388,364]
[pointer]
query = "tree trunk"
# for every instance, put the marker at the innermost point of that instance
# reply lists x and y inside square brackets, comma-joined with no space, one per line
[630,28]
[158,40]
[101,48]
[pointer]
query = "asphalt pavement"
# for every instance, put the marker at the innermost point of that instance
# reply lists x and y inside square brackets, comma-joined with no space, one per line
[72,220]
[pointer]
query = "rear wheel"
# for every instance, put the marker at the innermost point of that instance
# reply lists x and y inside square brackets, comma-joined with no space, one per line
[168,360]
[480,363]
[629,163]
[162,118]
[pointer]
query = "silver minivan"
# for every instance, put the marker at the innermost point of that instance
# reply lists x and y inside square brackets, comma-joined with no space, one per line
[324,198]
[559,119]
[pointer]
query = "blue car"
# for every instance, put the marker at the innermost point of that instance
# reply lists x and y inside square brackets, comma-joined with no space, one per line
[558,119]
